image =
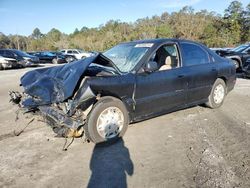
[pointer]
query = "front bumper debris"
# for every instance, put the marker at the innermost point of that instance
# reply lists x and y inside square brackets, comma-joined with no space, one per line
[58,118]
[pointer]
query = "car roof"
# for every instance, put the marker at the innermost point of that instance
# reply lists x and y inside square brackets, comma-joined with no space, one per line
[159,41]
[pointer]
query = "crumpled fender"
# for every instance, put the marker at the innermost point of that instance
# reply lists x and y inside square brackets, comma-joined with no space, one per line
[54,84]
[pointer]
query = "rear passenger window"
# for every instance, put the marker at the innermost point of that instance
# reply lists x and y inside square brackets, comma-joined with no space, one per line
[193,54]
[69,51]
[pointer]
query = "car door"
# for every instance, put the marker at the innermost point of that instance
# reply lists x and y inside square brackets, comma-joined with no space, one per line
[159,91]
[201,71]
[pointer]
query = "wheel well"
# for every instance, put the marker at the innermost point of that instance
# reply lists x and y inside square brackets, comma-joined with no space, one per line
[238,61]
[127,106]
[224,79]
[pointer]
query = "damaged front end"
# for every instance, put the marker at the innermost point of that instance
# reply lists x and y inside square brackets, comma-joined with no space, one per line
[67,118]
[60,95]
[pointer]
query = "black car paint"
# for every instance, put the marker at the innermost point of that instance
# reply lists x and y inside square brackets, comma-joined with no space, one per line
[53,85]
[67,57]
[44,57]
[144,94]
[12,53]
[241,57]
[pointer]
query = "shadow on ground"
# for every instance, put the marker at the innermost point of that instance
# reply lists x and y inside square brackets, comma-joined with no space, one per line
[110,165]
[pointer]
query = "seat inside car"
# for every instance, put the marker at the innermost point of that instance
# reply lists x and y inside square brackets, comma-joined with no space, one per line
[167,65]
[166,57]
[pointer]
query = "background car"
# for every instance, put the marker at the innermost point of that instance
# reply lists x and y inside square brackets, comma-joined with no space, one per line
[48,57]
[22,58]
[239,55]
[79,54]
[68,58]
[6,63]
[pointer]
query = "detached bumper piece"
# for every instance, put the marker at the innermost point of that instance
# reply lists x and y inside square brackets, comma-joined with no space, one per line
[15,97]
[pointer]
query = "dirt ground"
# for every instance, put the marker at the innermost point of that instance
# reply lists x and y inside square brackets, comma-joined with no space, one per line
[195,147]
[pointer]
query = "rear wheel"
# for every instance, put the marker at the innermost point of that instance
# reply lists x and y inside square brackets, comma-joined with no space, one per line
[70,59]
[107,121]
[54,61]
[217,95]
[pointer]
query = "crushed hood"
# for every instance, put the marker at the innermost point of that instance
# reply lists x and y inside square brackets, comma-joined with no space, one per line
[54,84]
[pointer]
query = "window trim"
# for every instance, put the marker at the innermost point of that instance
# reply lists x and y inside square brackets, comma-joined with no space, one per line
[208,55]
[177,50]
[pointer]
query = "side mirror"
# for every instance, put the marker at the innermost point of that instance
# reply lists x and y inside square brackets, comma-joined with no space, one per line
[151,66]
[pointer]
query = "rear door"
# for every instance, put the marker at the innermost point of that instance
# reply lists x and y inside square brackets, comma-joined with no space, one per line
[201,71]
[161,90]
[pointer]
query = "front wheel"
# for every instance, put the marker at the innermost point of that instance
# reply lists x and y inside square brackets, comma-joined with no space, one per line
[236,64]
[217,95]
[107,121]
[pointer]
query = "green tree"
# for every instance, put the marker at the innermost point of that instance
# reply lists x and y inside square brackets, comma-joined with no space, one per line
[76,31]
[54,35]
[246,24]
[36,34]
[4,41]
[234,21]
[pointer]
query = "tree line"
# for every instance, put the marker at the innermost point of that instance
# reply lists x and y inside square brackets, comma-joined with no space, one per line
[209,28]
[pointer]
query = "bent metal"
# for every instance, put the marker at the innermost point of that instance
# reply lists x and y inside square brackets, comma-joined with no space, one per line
[100,95]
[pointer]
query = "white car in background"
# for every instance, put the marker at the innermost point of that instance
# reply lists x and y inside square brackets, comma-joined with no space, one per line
[6,63]
[79,54]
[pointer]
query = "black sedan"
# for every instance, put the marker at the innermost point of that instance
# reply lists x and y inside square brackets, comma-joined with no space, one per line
[67,57]
[239,55]
[99,96]
[23,59]
[49,57]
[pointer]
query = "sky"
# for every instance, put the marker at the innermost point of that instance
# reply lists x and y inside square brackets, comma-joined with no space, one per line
[23,16]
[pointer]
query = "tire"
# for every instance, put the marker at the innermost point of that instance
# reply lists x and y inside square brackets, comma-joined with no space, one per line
[218,94]
[83,57]
[70,59]
[54,61]
[93,130]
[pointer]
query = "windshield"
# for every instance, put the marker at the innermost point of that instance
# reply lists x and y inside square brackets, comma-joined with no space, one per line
[79,50]
[20,53]
[126,56]
[239,48]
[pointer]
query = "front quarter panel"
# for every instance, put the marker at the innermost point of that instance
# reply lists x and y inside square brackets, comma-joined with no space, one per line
[119,86]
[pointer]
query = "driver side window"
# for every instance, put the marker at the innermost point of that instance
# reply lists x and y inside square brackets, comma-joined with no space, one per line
[166,57]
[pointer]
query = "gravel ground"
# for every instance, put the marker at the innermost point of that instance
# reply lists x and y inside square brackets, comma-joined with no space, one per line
[195,147]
